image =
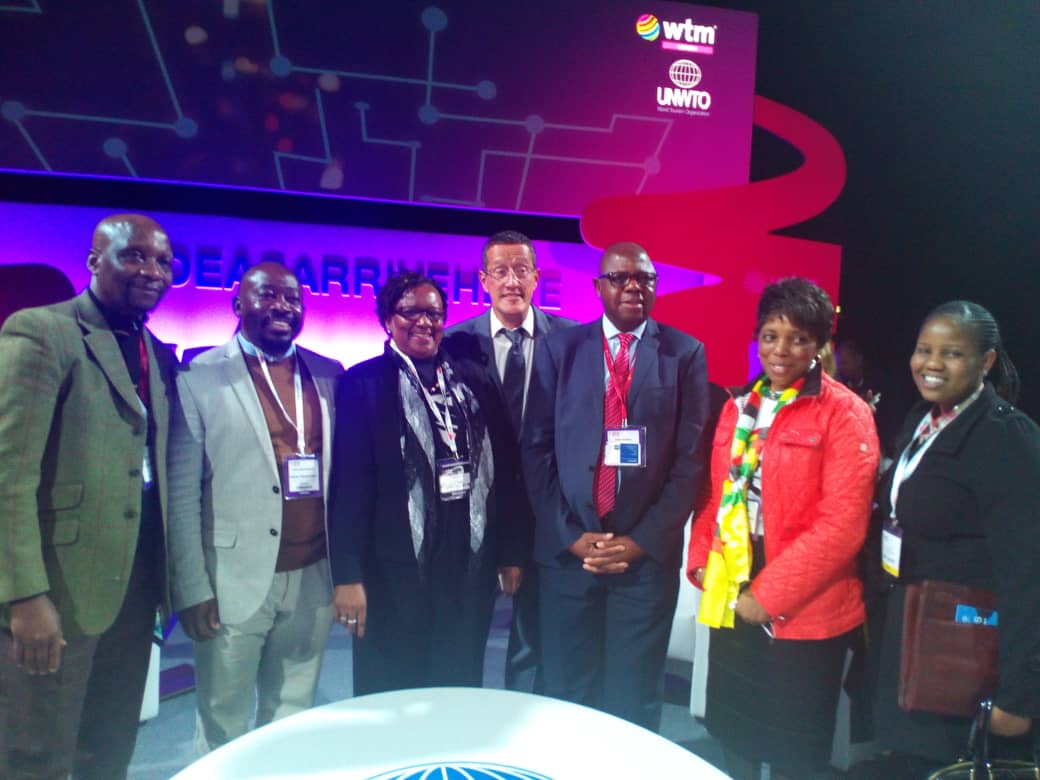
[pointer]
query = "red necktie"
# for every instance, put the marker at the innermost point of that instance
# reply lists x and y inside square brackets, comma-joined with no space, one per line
[604,486]
[142,382]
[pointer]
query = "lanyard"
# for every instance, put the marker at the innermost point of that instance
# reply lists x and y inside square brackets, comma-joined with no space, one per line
[298,426]
[619,385]
[443,420]
[908,462]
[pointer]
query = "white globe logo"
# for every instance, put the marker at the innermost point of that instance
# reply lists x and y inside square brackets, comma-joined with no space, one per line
[685,74]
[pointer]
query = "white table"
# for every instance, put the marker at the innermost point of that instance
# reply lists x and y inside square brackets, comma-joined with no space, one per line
[403,734]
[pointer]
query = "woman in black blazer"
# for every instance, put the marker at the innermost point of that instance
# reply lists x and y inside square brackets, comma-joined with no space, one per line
[420,518]
[963,495]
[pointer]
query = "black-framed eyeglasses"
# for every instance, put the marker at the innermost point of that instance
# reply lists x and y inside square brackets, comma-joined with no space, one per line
[501,272]
[413,315]
[621,279]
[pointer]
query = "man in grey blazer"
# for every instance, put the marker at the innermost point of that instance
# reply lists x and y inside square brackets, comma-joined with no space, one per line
[84,406]
[249,461]
[500,342]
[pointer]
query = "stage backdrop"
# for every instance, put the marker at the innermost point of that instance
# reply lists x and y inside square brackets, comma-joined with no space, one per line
[535,106]
[340,268]
[636,118]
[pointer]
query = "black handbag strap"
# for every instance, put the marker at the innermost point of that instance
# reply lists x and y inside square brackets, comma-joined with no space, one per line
[978,742]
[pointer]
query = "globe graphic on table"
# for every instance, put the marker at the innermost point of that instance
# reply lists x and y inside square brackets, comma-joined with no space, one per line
[685,74]
[461,770]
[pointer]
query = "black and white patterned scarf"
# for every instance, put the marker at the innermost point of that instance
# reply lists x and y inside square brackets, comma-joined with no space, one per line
[419,455]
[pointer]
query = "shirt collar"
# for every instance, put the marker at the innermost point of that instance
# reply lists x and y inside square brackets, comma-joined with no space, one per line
[251,349]
[527,325]
[610,331]
[937,419]
[115,320]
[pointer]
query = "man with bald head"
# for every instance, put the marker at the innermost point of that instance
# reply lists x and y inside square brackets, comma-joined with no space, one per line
[84,393]
[249,461]
[612,459]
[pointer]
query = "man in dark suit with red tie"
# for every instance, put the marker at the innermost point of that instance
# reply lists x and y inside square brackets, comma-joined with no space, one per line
[612,459]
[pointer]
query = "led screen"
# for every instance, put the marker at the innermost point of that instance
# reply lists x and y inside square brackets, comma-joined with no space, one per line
[530,106]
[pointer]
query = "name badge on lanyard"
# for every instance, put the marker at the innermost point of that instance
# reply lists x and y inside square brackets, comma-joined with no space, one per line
[454,479]
[624,446]
[301,476]
[454,474]
[892,533]
[301,471]
[891,548]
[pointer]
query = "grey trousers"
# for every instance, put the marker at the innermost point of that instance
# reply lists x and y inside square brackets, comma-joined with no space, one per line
[274,656]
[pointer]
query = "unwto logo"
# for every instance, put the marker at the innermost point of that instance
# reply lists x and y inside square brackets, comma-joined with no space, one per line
[685,74]
[683,98]
[678,36]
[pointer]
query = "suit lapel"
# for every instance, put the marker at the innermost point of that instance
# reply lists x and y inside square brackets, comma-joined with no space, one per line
[157,390]
[101,343]
[541,323]
[591,362]
[487,347]
[646,362]
[159,400]
[238,378]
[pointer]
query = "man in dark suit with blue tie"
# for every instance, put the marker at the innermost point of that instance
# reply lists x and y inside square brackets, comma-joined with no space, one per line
[612,459]
[500,343]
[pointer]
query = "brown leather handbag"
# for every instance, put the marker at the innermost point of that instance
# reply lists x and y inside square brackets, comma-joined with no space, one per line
[949,652]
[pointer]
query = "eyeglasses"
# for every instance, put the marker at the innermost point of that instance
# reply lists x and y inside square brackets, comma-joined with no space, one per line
[414,315]
[620,279]
[501,272]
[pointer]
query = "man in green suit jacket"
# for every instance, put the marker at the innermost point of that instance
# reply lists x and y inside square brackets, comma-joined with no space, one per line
[84,408]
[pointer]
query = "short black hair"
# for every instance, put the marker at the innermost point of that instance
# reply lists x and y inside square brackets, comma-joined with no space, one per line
[800,302]
[507,237]
[395,288]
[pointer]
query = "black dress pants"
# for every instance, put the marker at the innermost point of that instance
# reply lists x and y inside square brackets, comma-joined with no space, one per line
[605,637]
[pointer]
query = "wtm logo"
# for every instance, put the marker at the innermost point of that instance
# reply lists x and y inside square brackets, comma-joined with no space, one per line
[678,36]
[685,75]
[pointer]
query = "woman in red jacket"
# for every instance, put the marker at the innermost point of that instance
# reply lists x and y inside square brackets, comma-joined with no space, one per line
[792,474]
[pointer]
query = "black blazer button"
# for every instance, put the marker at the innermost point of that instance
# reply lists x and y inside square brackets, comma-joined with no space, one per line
[274,532]
[275,489]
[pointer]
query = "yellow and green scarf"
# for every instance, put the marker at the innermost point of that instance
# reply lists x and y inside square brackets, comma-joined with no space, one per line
[729,561]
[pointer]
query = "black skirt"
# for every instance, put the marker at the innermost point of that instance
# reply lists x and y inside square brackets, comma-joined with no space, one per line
[774,700]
